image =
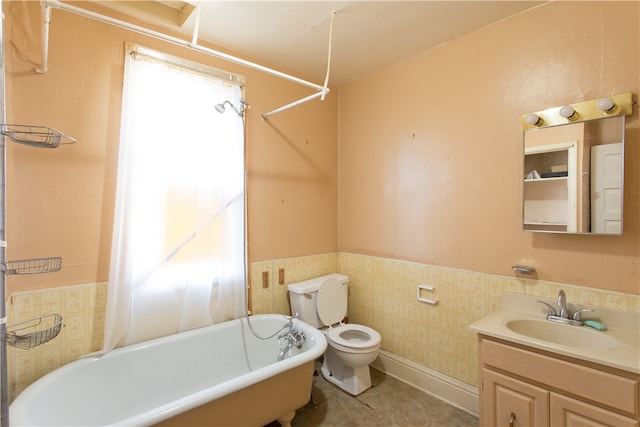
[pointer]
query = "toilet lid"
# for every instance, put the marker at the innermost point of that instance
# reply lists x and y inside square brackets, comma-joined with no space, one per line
[331,302]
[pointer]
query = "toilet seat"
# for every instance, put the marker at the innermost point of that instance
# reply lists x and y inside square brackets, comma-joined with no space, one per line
[353,336]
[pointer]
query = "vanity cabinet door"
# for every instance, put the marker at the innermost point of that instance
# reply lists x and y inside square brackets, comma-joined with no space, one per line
[567,412]
[507,402]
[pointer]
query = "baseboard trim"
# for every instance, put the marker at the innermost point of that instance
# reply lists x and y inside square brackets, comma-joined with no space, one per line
[454,392]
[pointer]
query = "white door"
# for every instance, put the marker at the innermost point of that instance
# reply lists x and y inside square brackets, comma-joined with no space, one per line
[606,188]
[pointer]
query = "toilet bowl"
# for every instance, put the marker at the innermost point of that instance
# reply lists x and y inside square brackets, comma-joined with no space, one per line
[322,302]
[346,361]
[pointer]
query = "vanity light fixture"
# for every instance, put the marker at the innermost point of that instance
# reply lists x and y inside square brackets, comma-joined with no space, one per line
[568,112]
[533,119]
[607,105]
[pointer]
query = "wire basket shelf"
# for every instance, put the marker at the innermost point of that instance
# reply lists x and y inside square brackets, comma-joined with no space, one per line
[32,266]
[32,333]
[36,136]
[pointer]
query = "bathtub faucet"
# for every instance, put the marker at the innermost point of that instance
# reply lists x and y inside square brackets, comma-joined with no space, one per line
[290,338]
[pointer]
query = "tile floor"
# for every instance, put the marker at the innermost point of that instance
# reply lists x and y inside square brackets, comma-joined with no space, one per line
[390,402]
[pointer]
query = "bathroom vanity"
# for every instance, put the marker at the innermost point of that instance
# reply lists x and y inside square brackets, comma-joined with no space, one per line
[522,386]
[531,375]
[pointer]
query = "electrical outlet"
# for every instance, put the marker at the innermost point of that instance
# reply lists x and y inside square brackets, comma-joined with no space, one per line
[265,279]
[281,276]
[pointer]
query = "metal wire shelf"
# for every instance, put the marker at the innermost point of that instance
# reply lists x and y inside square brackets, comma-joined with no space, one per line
[32,266]
[35,136]
[32,333]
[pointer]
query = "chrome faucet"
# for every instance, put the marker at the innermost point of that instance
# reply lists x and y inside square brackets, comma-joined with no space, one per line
[561,315]
[290,338]
[562,305]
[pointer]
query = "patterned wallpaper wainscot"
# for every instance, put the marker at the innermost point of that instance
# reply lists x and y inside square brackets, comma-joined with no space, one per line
[382,295]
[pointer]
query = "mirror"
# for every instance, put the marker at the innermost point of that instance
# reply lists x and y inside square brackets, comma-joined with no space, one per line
[574,177]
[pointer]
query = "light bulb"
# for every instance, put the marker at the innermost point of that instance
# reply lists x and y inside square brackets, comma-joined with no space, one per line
[568,112]
[606,104]
[532,119]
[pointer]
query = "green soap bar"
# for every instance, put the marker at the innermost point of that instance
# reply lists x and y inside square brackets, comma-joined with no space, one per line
[595,324]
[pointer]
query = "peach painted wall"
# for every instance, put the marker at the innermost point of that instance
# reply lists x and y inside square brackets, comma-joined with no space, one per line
[60,202]
[431,147]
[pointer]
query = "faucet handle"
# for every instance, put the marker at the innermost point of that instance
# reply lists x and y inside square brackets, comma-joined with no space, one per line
[552,311]
[578,314]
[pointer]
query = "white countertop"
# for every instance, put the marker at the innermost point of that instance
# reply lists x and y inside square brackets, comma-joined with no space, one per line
[623,328]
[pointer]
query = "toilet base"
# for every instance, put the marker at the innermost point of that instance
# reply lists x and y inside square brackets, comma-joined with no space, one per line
[352,380]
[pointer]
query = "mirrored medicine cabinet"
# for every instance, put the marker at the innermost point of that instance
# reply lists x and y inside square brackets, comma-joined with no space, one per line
[574,167]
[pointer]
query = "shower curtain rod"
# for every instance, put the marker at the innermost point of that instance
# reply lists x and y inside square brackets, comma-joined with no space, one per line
[193,44]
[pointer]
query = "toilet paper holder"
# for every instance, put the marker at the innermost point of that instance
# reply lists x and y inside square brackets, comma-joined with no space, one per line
[427,300]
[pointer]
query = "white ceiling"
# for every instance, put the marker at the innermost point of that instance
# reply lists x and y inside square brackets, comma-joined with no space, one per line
[293,36]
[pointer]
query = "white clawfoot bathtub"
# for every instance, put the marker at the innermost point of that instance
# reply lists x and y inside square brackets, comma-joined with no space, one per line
[218,375]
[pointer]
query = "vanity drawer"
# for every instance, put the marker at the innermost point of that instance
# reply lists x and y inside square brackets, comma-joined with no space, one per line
[601,387]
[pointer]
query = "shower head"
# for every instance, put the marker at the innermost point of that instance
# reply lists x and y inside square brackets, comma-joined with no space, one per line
[220,108]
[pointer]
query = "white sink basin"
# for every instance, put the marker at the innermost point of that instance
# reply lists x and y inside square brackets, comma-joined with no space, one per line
[572,336]
[521,321]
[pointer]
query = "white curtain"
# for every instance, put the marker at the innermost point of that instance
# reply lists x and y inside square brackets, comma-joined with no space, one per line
[178,250]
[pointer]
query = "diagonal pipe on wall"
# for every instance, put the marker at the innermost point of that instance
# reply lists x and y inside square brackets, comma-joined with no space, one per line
[47,5]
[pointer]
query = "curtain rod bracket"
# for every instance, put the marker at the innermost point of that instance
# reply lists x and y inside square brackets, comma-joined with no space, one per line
[324,90]
[196,28]
[45,13]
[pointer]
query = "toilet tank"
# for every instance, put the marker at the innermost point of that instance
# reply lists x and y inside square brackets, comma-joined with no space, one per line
[303,298]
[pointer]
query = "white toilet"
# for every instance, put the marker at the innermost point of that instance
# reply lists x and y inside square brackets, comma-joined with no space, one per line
[322,303]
